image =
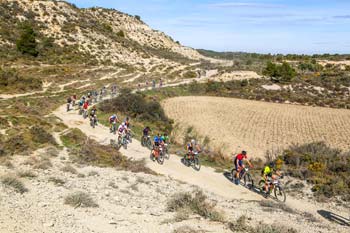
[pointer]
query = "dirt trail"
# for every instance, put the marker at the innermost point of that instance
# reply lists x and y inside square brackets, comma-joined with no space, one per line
[206,178]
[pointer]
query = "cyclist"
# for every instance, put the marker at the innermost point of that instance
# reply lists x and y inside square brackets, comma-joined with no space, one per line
[156,144]
[112,120]
[268,174]
[69,102]
[121,131]
[165,138]
[127,122]
[238,161]
[74,98]
[85,107]
[93,114]
[146,131]
[192,147]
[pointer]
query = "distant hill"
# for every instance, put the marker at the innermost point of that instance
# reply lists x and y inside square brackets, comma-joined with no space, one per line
[65,33]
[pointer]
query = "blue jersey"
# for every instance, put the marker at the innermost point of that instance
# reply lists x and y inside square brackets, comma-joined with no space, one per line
[156,139]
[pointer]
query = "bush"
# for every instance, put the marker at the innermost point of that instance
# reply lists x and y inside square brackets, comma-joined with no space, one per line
[57,181]
[28,174]
[26,43]
[327,169]
[70,169]
[137,106]
[241,225]
[10,80]
[197,203]
[41,136]
[121,33]
[80,199]
[279,73]
[13,182]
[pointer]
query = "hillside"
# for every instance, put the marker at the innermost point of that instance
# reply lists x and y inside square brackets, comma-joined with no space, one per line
[109,36]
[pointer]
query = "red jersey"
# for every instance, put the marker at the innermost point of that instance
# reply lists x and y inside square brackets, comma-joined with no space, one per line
[86,105]
[241,157]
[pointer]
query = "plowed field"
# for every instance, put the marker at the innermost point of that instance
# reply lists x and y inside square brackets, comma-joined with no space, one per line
[235,124]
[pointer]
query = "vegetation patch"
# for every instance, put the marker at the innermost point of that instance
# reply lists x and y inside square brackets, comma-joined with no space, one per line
[87,151]
[13,182]
[325,168]
[242,225]
[57,181]
[141,109]
[11,81]
[27,173]
[196,203]
[80,199]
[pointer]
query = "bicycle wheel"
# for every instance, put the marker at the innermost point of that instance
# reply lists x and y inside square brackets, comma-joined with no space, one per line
[149,144]
[261,185]
[196,164]
[233,174]
[142,141]
[125,143]
[248,181]
[160,159]
[280,194]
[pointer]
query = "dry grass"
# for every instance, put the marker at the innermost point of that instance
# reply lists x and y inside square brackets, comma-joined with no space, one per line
[257,126]
[196,203]
[14,183]
[187,229]
[57,181]
[242,225]
[80,199]
[70,169]
[27,173]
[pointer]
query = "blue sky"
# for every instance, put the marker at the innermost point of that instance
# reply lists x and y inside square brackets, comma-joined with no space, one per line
[263,26]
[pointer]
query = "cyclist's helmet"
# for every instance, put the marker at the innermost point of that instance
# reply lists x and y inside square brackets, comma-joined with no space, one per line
[244,152]
[272,164]
[193,142]
[114,115]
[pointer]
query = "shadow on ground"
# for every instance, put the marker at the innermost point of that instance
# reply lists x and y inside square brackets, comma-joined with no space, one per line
[334,217]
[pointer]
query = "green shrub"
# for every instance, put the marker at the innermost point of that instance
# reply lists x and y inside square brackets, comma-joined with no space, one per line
[121,33]
[139,107]
[41,136]
[10,80]
[327,169]
[279,73]
[26,43]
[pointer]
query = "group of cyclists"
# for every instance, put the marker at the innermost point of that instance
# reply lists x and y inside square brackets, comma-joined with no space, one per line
[160,141]
[268,174]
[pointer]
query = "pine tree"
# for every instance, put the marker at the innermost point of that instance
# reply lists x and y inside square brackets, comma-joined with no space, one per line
[26,43]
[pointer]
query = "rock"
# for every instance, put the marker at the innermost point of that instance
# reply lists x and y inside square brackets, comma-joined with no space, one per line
[107,193]
[49,224]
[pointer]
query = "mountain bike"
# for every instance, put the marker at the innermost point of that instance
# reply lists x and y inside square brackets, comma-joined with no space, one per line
[243,175]
[93,121]
[160,152]
[146,141]
[192,160]
[85,113]
[114,128]
[123,142]
[129,136]
[274,186]
[166,151]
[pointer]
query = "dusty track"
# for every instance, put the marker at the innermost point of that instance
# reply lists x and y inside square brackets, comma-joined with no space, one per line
[206,178]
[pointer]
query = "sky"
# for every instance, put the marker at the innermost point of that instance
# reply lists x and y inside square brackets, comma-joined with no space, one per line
[261,26]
